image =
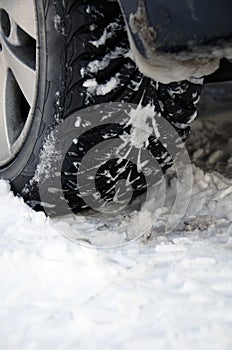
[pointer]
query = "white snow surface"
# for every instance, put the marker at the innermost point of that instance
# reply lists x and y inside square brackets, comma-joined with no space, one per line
[168,291]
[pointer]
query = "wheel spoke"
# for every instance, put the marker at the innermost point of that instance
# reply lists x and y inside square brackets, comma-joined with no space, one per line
[18,60]
[5,149]
[23,13]
[14,37]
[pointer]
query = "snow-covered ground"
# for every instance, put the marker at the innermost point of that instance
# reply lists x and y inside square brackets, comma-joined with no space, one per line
[169,291]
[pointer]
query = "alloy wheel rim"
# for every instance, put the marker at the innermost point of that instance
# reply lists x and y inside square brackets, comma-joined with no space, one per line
[18,74]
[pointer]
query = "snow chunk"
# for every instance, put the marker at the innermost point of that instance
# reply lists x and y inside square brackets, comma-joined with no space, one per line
[93,88]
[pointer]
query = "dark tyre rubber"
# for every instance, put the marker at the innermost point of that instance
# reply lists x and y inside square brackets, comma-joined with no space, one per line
[84,45]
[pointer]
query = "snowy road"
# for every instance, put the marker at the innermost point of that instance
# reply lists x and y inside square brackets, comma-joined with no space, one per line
[172,291]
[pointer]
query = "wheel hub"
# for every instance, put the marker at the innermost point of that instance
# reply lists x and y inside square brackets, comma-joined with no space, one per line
[18,74]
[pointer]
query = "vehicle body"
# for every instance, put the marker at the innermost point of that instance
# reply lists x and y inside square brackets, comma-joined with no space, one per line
[183,37]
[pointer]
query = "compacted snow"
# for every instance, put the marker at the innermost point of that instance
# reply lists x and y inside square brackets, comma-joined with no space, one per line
[165,291]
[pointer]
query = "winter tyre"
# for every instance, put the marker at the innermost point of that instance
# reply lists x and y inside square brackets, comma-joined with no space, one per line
[54,55]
